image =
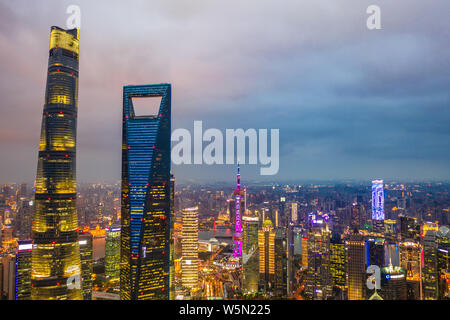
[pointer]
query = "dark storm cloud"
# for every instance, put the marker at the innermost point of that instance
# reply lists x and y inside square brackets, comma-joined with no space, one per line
[349,102]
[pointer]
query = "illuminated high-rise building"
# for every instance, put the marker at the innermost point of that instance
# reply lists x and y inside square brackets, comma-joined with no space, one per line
[430,276]
[318,277]
[338,263]
[281,264]
[294,212]
[23,270]
[250,253]
[112,252]
[172,239]
[85,239]
[145,230]
[266,245]
[56,265]
[378,205]
[375,251]
[410,261]
[239,211]
[189,248]
[305,251]
[356,266]
[393,283]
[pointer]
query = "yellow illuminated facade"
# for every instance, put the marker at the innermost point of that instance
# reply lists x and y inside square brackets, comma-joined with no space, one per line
[189,248]
[266,245]
[56,265]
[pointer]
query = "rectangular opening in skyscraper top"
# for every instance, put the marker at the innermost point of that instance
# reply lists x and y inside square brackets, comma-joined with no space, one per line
[146,106]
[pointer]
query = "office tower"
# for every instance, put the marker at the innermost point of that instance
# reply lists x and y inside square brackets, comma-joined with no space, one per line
[23,270]
[378,206]
[172,239]
[86,255]
[112,252]
[281,264]
[410,261]
[375,251]
[189,245]
[266,246]
[338,264]
[356,266]
[250,253]
[443,261]
[145,252]
[291,258]
[239,210]
[429,271]
[281,215]
[318,276]
[294,212]
[393,283]
[305,251]
[56,263]
[24,219]
[8,276]
[443,247]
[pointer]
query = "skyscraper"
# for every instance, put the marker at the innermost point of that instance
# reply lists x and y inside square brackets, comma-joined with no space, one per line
[410,262]
[112,252]
[338,263]
[56,264]
[429,271]
[172,239]
[23,270]
[375,251]
[393,283]
[87,260]
[356,266]
[318,277]
[189,245]
[281,264]
[145,252]
[250,253]
[378,205]
[266,244]
[294,212]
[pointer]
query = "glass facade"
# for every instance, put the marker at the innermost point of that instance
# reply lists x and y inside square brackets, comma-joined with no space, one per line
[145,252]
[112,253]
[189,248]
[56,253]
[85,240]
[377,200]
[23,270]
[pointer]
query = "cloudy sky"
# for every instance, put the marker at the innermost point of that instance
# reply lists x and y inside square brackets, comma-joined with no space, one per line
[349,102]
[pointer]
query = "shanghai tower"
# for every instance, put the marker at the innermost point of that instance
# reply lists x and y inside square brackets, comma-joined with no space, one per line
[56,253]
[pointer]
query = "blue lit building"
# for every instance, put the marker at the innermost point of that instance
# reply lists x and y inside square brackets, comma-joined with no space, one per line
[377,200]
[144,272]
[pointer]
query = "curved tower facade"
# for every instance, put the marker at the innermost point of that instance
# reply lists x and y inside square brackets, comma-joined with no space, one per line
[56,263]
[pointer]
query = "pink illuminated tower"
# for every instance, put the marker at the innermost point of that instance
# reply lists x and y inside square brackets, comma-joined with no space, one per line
[237,237]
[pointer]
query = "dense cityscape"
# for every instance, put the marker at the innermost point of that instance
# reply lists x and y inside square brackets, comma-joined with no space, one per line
[150,236]
[298,241]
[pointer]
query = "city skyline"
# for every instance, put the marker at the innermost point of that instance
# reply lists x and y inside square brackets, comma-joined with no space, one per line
[350,103]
